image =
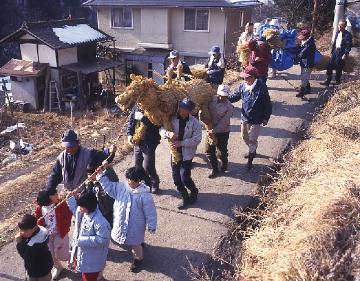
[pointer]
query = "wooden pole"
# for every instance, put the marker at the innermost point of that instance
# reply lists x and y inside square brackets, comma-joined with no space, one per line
[315,16]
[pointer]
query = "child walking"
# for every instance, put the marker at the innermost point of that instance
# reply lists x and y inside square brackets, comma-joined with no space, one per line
[91,236]
[32,246]
[57,222]
[134,209]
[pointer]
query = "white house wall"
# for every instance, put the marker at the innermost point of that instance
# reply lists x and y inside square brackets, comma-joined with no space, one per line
[47,55]
[67,56]
[155,25]
[29,52]
[25,91]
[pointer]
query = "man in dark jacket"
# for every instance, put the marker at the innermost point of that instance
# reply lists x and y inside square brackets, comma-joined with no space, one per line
[216,67]
[306,58]
[70,166]
[144,151]
[256,109]
[178,67]
[340,52]
[33,248]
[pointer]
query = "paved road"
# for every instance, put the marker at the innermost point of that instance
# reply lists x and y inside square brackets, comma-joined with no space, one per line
[190,236]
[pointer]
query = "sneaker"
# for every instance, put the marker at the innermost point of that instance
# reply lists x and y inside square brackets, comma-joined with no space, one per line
[193,197]
[183,204]
[56,273]
[213,174]
[135,266]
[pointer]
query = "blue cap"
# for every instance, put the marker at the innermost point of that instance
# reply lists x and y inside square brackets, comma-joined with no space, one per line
[187,104]
[214,50]
[70,138]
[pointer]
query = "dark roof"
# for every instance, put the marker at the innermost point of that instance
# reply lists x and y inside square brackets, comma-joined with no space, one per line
[175,3]
[22,68]
[43,31]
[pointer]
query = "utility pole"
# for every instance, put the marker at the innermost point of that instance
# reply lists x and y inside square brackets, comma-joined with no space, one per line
[338,15]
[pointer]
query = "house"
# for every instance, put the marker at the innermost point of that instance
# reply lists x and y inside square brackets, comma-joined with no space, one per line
[145,30]
[68,48]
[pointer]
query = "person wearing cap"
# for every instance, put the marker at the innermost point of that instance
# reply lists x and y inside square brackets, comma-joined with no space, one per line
[186,137]
[221,111]
[248,34]
[144,151]
[306,58]
[256,109]
[215,66]
[32,246]
[57,221]
[70,165]
[260,58]
[178,66]
[339,53]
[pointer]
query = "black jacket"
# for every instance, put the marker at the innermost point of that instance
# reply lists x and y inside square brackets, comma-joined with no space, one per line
[215,73]
[151,137]
[186,70]
[307,53]
[36,255]
[346,43]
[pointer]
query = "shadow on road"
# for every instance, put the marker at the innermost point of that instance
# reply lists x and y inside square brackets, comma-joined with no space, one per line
[4,276]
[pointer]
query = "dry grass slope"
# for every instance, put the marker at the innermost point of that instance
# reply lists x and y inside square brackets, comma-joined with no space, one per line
[310,230]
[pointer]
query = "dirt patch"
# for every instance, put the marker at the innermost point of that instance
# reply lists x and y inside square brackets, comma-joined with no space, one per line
[21,179]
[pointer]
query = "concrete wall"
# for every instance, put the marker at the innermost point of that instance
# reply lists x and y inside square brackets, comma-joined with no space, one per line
[125,38]
[67,56]
[155,25]
[25,91]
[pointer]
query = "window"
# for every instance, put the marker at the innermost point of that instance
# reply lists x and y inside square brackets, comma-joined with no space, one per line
[195,60]
[196,19]
[122,18]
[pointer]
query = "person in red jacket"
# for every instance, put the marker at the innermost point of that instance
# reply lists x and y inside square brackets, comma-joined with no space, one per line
[56,217]
[260,58]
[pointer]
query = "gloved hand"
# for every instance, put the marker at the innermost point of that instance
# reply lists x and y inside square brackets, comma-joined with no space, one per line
[152,231]
[130,139]
[139,115]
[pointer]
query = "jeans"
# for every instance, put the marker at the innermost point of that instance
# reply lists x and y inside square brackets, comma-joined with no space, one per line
[305,76]
[221,146]
[181,173]
[145,158]
[337,63]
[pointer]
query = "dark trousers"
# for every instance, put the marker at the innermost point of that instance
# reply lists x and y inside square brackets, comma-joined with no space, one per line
[145,158]
[336,63]
[181,173]
[221,146]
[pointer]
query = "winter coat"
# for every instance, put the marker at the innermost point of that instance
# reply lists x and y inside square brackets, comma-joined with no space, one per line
[191,139]
[260,59]
[346,44]
[134,209]
[63,218]
[91,239]
[221,113]
[307,53]
[36,254]
[151,136]
[216,70]
[256,104]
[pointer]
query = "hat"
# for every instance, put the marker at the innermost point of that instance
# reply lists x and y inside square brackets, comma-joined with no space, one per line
[187,104]
[248,71]
[304,34]
[27,222]
[223,90]
[214,50]
[174,54]
[70,138]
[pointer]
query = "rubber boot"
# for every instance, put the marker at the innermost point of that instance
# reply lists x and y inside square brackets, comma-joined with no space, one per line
[250,160]
[327,81]
[300,94]
[193,196]
[215,169]
[224,165]
[184,201]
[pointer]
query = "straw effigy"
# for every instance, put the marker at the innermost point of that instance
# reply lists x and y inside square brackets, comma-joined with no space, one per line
[199,71]
[273,39]
[243,53]
[310,229]
[160,102]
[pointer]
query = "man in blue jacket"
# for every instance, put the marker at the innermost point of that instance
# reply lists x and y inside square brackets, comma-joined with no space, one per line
[216,67]
[340,52]
[144,151]
[306,58]
[256,109]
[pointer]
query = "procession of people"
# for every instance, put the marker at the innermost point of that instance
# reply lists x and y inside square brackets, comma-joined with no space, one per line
[106,208]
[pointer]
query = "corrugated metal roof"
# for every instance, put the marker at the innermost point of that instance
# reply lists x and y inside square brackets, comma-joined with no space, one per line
[175,3]
[44,32]
[22,68]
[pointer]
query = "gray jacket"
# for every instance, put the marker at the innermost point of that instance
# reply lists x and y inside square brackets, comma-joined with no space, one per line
[221,112]
[91,239]
[192,136]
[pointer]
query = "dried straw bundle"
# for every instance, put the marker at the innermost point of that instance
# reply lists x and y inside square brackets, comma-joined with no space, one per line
[322,64]
[243,52]
[199,71]
[272,37]
[309,231]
